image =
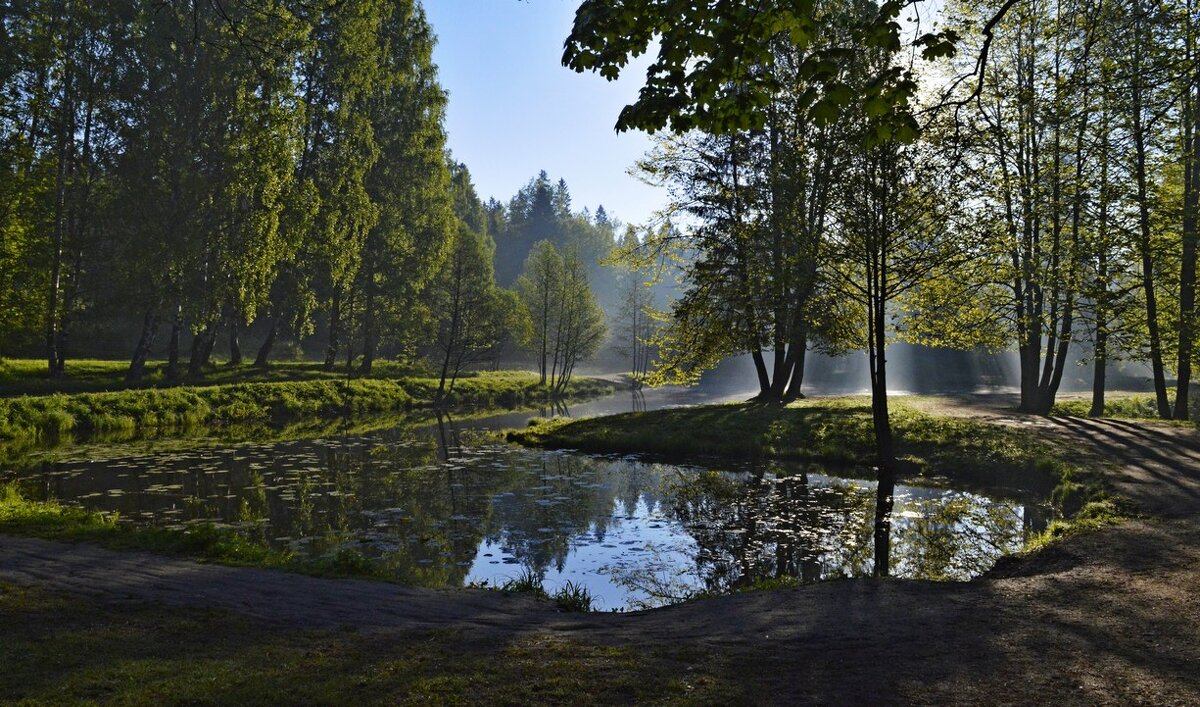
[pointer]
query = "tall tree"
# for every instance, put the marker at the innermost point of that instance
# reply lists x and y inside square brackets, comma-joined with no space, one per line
[409,183]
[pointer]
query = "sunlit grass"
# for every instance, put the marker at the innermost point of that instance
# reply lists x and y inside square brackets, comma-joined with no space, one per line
[158,410]
[28,376]
[837,431]
[1125,407]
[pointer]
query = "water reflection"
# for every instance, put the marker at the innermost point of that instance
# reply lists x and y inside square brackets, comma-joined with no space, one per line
[446,506]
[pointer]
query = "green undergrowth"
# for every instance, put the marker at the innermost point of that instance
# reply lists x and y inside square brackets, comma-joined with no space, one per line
[836,431]
[60,649]
[159,411]
[1125,407]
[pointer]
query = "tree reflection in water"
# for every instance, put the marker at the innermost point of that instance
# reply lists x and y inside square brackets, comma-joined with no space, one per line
[445,505]
[760,528]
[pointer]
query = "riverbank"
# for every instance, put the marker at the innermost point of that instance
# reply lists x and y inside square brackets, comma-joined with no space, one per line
[839,431]
[162,411]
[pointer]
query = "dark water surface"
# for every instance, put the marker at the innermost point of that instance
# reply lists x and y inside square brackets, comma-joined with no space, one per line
[446,504]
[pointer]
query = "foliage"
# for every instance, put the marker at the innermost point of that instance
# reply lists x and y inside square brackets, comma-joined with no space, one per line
[197,168]
[567,324]
[716,63]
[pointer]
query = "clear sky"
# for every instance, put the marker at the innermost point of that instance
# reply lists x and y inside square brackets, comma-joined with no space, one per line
[514,109]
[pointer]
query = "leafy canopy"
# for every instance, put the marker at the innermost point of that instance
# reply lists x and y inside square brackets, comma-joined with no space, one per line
[714,69]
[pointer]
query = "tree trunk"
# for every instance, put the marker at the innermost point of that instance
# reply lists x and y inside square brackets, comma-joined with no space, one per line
[797,377]
[210,343]
[1099,368]
[1145,248]
[370,336]
[764,380]
[335,330]
[202,347]
[785,361]
[172,372]
[884,444]
[235,344]
[194,365]
[264,351]
[137,366]
[1187,273]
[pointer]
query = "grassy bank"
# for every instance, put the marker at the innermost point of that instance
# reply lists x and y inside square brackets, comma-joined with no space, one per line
[28,376]
[837,431]
[163,410]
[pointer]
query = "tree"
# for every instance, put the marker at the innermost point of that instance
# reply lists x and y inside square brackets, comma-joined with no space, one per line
[637,315]
[759,201]
[579,325]
[566,323]
[333,211]
[472,315]
[540,284]
[409,183]
[1189,144]
[891,242]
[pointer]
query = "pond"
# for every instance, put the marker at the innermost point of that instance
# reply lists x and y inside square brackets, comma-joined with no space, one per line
[445,504]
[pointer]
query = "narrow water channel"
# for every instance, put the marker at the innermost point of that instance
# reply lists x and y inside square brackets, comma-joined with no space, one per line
[443,503]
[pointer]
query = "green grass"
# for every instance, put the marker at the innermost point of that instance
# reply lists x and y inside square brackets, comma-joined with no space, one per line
[28,376]
[1094,515]
[47,418]
[837,431]
[59,649]
[1126,407]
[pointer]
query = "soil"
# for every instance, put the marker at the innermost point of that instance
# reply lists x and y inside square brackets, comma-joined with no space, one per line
[1110,617]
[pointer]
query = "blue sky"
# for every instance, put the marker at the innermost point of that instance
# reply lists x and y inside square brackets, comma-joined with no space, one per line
[514,109]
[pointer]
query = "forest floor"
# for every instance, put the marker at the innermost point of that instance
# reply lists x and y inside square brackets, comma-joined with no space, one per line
[1107,617]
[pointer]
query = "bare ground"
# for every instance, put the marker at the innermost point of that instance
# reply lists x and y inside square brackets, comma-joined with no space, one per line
[1111,617]
[1156,466]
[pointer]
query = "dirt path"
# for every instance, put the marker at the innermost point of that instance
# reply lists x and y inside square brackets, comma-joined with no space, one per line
[1107,618]
[1157,465]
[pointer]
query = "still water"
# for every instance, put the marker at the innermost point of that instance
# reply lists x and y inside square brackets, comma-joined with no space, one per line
[446,504]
